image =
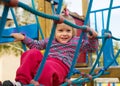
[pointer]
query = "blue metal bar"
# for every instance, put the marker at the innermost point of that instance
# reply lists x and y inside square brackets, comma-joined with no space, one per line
[38,24]
[95,22]
[17,27]
[75,56]
[116,7]
[103,27]
[79,42]
[3,19]
[48,46]
[6,1]
[109,15]
[98,57]
[53,8]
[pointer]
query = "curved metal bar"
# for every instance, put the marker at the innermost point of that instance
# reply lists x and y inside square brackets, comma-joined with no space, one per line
[118,39]
[20,4]
[107,36]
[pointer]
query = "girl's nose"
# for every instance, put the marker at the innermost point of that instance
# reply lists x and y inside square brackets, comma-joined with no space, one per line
[64,33]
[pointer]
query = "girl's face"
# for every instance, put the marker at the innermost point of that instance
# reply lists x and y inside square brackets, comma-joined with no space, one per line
[63,33]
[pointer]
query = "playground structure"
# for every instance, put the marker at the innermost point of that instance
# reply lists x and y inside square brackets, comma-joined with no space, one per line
[90,73]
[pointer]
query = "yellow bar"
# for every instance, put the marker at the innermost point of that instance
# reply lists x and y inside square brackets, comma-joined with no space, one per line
[104,84]
[117,84]
[84,7]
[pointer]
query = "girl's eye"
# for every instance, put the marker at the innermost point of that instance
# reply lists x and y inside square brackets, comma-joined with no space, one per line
[68,30]
[60,30]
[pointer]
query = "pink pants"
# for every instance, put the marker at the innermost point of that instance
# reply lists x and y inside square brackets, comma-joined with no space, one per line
[53,74]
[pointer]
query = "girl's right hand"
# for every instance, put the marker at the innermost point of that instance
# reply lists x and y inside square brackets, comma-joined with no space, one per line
[18,36]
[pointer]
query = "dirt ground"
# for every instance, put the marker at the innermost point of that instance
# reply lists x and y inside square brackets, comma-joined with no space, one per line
[8,66]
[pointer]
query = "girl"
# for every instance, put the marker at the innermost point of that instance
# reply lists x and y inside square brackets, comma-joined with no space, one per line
[59,58]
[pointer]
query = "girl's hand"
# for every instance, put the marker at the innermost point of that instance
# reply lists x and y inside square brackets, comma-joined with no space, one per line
[18,36]
[93,34]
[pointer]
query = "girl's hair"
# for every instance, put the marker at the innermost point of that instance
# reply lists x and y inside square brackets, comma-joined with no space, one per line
[70,19]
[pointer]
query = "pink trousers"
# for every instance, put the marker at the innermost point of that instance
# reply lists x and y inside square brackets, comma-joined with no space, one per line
[53,74]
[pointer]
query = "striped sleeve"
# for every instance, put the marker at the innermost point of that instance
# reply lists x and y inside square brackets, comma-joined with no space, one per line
[90,45]
[41,44]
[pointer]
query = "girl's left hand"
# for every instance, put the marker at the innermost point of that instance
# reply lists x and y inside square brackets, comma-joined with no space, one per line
[92,33]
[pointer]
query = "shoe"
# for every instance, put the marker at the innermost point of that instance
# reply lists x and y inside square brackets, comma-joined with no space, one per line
[9,83]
